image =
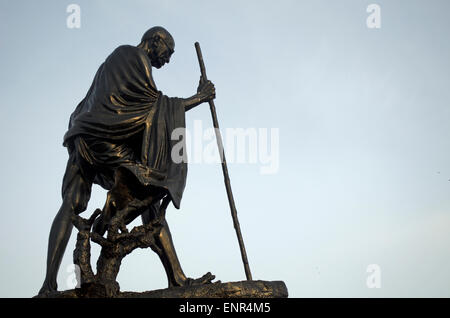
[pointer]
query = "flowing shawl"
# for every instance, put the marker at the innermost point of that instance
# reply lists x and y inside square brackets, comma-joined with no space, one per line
[123,105]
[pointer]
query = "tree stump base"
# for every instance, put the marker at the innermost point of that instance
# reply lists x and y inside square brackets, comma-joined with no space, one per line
[242,289]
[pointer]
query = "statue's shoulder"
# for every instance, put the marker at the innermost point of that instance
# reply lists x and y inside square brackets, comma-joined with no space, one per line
[129,53]
[129,50]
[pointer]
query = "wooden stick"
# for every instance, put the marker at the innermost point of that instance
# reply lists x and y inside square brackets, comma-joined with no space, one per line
[237,227]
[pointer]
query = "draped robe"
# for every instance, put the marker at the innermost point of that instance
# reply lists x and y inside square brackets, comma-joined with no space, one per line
[125,122]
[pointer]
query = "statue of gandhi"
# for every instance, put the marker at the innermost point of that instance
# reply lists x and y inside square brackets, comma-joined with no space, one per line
[120,137]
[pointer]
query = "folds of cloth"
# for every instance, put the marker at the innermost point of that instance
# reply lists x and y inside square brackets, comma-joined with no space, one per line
[125,122]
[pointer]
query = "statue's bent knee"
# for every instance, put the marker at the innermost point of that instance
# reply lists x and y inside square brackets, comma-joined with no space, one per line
[74,203]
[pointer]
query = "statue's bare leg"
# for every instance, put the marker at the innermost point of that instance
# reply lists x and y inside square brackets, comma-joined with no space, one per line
[169,258]
[57,242]
[109,209]
[75,198]
[117,198]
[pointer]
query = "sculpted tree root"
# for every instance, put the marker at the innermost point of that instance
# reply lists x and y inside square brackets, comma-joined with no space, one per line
[114,248]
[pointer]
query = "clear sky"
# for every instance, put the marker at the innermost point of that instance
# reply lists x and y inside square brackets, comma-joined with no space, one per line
[363,117]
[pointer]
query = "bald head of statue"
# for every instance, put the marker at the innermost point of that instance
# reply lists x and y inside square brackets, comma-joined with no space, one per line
[159,45]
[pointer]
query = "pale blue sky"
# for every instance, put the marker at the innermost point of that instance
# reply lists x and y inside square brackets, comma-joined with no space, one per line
[363,116]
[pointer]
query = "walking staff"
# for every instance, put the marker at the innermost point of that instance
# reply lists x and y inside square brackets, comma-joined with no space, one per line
[237,227]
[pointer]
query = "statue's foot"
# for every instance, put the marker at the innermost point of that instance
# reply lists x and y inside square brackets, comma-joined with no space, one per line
[205,279]
[48,288]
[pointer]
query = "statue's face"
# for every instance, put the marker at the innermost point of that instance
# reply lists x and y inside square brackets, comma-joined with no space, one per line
[162,51]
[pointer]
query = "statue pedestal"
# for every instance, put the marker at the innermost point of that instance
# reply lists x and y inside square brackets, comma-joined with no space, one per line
[243,289]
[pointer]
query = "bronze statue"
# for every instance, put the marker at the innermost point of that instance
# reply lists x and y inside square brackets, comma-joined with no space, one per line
[119,138]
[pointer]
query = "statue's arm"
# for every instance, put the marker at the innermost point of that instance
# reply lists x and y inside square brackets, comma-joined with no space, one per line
[205,92]
[192,101]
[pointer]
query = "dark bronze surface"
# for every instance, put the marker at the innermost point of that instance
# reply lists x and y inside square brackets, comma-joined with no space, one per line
[244,289]
[119,138]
